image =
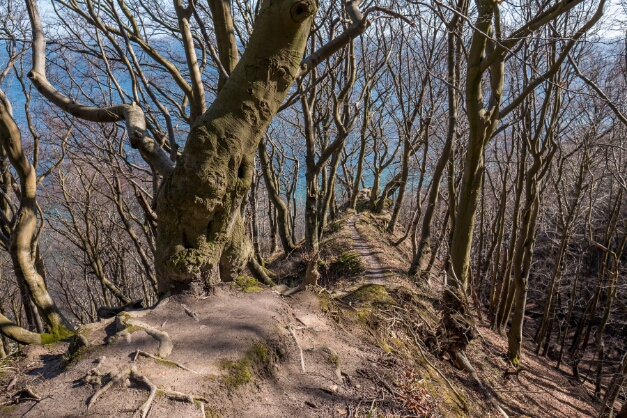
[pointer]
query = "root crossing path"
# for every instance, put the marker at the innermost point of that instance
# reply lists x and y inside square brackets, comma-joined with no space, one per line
[374,272]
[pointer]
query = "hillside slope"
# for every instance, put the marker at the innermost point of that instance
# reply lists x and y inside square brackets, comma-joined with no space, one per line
[358,346]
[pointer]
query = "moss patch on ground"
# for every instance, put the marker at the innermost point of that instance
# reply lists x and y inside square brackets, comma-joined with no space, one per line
[240,372]
[348,264]
[73,357]
[369,294]
[336,226]
[248,284]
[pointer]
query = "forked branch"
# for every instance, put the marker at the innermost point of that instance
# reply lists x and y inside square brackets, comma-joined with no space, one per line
[131,114]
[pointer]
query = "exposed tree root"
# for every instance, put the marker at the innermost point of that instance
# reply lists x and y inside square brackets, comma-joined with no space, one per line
[23,395]
[117,378]
[143,410]
[130,314]
[448,382]
[140,379]
[170,362]
[311,277]
[12,383]
[105,312]
[260,273]
[125,321]
[131,373]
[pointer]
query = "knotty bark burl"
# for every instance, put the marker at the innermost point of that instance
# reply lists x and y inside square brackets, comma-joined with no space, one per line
[200,236]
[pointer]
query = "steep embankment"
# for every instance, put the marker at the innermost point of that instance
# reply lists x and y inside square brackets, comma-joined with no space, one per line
[357,347]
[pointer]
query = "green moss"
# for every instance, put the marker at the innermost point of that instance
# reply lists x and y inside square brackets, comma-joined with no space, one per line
[451,405]
[370,294]
[133,328]
[363,315]
[71,358]
[515,361]
[56,334]
[212,413]
[259,353]
[325,301]
[248,284]
[124,316]
[240,372]
[335,360]
[348,264]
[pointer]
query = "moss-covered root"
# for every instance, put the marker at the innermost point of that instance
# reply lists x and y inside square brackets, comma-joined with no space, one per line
[125,323]
[23,336]
[260,273]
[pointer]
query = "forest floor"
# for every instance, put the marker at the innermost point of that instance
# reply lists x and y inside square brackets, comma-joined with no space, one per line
[357,347]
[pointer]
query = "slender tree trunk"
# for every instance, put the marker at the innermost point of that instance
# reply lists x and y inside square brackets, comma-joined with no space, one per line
[612,392]
[424,246]
[497,284]
[522,263]
[225,36]
[282,219]
[402,186]
[571,305]
[254,221]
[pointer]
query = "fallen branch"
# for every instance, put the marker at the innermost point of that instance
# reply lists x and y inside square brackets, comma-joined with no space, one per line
[507,373]
[183,397]
[448,382]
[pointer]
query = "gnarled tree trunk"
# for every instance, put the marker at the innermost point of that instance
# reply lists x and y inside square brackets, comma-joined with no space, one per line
[200,235]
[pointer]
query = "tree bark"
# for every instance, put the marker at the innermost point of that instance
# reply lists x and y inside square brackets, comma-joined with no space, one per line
[23,233]
[200,234]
